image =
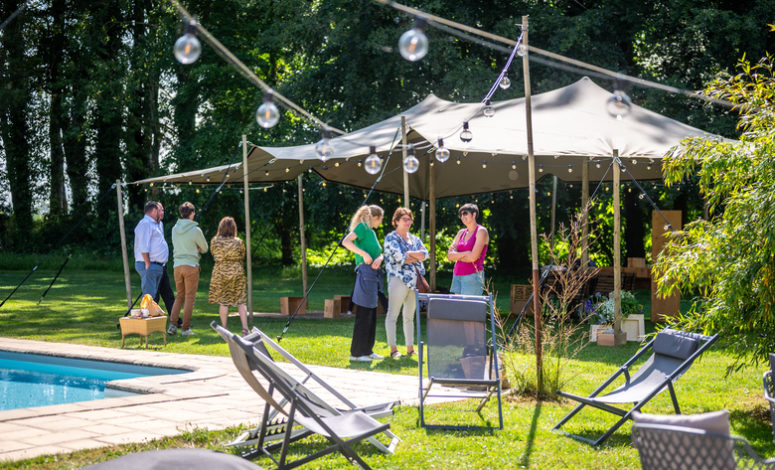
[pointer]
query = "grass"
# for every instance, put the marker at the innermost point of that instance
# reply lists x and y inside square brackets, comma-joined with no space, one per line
[83,306]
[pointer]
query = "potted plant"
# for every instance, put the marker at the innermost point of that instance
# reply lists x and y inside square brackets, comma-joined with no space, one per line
[602,308]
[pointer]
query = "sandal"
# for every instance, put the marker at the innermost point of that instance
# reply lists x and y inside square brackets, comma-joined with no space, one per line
[410,353]
[245,332]
[395,355]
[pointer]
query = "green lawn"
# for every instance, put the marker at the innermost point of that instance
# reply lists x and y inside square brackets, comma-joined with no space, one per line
[84,304]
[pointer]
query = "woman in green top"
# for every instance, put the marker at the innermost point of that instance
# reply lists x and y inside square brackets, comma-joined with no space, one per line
[362,240]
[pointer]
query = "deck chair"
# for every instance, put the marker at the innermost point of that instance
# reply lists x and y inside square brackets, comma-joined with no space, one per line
[292,411]
[670,447]
[458,352]
[265,343]
[673,352]
[769,392]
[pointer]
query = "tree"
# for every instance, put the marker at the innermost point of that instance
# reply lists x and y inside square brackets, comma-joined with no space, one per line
[729,260]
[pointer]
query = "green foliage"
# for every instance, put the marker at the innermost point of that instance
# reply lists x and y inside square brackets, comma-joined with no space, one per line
[729,260]
[603,307]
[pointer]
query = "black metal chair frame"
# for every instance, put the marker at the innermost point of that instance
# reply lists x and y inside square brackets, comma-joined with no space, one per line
[769,392]
[598,402]
[492,386]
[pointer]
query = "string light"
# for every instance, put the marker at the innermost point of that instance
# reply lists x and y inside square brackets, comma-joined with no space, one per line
[411,163]
[287,170]
[505,83]
[190,182]
[323,148]
[521,50]
[540,168]
[266,172]
[413,44]
[187,47]
[373,162]
[597,163]
[618,104]
[484,164]
[489,110]
[457,160]
[336,164]
[466,135]
[570,168]
[442,153]
[267,115]
[513,165]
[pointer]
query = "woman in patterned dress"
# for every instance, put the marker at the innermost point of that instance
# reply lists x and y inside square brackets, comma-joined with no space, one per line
[227,284]
[404,254]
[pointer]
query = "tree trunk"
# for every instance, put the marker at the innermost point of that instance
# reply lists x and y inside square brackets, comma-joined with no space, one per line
[108,113]
[14,102]
[55,47]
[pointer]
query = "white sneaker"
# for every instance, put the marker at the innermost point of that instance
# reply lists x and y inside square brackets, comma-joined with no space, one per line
[172,330]
[361,358]
[376,356]
[187,332]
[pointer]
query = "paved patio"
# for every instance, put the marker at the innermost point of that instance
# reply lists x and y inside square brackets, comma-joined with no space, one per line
[211,396]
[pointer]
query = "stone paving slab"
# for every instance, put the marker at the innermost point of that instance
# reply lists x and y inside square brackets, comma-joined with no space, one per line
[213,396]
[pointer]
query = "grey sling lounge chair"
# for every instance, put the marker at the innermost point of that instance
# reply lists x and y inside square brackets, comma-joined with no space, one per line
[456,351]
[293,412]
[673,352]
[670,447]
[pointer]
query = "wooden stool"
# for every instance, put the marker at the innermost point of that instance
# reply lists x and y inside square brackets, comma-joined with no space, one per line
[333,308]
[143,327]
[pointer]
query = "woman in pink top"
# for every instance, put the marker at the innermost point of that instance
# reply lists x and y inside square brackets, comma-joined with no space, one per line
[468,252]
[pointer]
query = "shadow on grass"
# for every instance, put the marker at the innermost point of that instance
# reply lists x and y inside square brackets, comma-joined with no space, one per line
[524,461]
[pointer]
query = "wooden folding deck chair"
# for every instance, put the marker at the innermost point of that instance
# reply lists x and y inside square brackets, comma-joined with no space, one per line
[292,411]
[673,352]
[458,352]
[769,391]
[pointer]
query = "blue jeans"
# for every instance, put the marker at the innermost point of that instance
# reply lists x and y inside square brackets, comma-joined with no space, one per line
[149,278]
[470,284]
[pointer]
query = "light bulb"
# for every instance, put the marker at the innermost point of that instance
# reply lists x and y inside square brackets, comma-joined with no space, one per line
[413,44]
[324,148]
[187,47]
[540,168]
[570,168]
[484,164]
[505,83]
[619,104]
[489,110]
[648,167]
[373,162]
[513,165]
[640,196]
[267,114]
[411,163]
[597,163]
[442,153]
[466,135]
[634,162]
[521,50]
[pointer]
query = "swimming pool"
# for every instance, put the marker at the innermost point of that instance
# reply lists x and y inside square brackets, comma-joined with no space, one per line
[30,380]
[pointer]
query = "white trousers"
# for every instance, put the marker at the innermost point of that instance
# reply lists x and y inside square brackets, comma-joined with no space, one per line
[399,294]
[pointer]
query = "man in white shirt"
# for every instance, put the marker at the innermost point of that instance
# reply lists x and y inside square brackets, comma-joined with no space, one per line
[151,251]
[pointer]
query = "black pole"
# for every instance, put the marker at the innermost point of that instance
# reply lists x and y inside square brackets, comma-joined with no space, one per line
[118,324]
[20,284]
[55,279]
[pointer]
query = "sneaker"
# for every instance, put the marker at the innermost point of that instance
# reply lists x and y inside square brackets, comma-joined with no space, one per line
[172,330]
[187,332]
[361,358]
[376,356]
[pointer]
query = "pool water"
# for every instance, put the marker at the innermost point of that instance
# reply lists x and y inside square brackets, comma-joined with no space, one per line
[30,380]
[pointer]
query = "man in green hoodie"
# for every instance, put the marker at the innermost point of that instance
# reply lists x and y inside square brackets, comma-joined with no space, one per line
[188,244]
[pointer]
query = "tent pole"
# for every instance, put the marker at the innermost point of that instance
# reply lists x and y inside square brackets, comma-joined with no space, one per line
[301,235]
[585,212]
[617,247]
[432,225]
[403,153]
[248,256]
[533,222]
[127,282]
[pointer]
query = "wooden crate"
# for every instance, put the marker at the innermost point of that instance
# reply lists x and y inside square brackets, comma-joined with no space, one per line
[344,301]
[611,339]
[288,305]
[333,308]
[519,295]
[634,327]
